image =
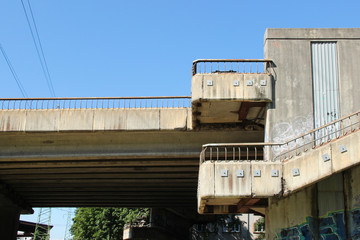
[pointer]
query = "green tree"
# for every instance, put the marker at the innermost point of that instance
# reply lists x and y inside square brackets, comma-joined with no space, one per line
[104,223]
[260,227]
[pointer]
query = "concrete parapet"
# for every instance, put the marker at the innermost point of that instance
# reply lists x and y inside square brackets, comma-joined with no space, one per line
[48,120]
[231,86]
[321,162]
[310,166]
[230,98]
[228,183]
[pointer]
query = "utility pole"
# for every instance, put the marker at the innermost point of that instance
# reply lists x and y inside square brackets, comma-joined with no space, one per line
[67,235]
[42,228]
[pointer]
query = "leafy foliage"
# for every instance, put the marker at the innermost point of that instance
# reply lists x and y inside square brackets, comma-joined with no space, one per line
[260,224]
[104,223]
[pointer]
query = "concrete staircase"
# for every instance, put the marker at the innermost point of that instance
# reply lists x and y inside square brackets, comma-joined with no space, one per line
[239,178]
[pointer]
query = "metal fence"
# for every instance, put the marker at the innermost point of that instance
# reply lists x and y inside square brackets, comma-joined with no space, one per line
[234,151]
[282,151]
[95,103]
[231,66]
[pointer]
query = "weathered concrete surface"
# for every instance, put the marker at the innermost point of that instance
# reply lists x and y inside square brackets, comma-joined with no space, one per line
[328,209]
[39,120]
[311,166]
[321,211]
[287,216]
[95,119]
[214,189]
[223,88]
[12,121]
[108,168]
[314,168]
[351,157]
[352,201]
[217,190]
[222,101]
[312,33]
[291,112]
[266,185]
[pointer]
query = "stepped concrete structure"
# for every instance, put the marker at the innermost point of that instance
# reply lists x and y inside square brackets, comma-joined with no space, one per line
[277,137]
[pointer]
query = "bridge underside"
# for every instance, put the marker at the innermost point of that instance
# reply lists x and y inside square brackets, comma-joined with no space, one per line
[108,168]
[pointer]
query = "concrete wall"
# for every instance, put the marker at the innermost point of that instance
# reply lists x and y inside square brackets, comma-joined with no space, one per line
[95,119]
[328,210]
[292,215]
[315,212]
[291,112]
[352,202]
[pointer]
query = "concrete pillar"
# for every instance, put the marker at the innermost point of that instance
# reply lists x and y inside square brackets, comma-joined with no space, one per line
[352,202]
[331,207]
[9,219]
[326,210]
[293,217]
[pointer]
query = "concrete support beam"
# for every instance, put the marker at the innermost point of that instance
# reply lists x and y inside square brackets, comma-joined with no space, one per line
[9,218]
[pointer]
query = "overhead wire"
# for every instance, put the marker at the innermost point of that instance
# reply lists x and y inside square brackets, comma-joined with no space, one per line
[18,82]
[38,46]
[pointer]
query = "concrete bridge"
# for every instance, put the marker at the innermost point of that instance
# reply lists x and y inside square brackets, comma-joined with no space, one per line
[277,136]
[142,154]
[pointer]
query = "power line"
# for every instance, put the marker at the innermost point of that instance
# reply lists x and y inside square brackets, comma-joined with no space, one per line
[18,82]
[39,48]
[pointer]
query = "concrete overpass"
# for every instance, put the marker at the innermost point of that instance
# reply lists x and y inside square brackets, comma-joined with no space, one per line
[278,136]
[136,156]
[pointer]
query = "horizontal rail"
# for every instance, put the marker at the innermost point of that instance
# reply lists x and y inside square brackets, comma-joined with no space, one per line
[231,66]
[234,152]
[281,151]
[95,102]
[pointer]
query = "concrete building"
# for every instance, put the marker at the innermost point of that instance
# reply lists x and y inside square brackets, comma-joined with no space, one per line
[306,180]
[277,136]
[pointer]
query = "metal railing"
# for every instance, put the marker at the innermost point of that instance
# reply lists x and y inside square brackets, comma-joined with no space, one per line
[95,103]
[282,151]
[317,137]
[231,66]
[234,151]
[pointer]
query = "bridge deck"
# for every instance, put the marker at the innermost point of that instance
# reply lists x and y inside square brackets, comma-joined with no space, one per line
[152,168]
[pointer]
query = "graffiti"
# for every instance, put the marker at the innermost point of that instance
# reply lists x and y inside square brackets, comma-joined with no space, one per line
[354,223]
[284,131]
[299,232]
[330,227]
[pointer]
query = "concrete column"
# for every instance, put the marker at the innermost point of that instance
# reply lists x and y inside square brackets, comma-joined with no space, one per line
[9,219]
[332,214]
[352,202]
[293,217]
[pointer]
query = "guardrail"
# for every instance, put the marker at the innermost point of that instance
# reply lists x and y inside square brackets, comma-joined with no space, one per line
[231,66]
[282,151]
[234,151]
[95,103]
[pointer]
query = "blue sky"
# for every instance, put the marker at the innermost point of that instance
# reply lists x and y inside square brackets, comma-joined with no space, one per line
[143,48]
